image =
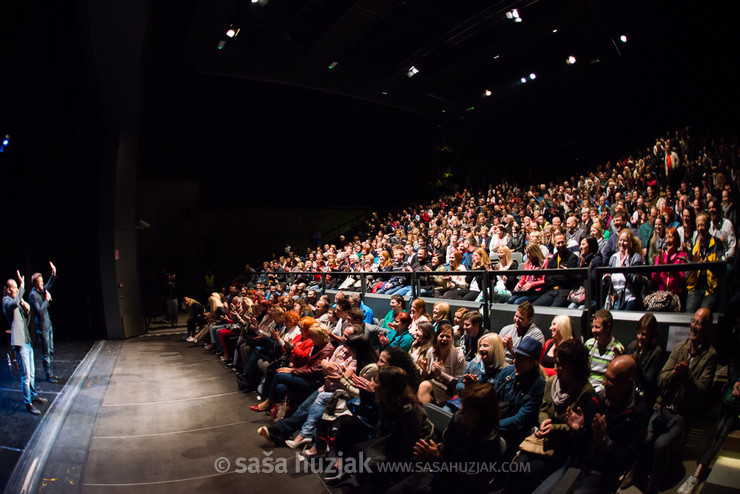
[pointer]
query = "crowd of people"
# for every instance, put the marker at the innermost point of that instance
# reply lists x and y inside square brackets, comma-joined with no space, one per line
[672,204]
[339,380]
[337,386]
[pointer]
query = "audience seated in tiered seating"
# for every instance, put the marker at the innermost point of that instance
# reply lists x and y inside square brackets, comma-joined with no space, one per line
[560,403]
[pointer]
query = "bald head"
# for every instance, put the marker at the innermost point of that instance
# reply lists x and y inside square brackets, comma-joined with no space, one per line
[623,367]
[701,323]
[619,380]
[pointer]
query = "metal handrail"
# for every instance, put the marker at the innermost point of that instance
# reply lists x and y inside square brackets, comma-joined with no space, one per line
[489,276]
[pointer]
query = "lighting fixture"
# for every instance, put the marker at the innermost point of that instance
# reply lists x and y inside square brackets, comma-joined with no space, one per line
[513,15]
[533,76]
[221,44]
[487,92]
[623,38]
[233,31]
[524,80]
[333,64]
[571,60]
[412,71]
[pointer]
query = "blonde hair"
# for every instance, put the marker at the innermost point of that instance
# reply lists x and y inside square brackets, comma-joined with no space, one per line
[533,250]
[484,259]
[497,349]
[506,260]
[320,331]
[444,310]
[563,323]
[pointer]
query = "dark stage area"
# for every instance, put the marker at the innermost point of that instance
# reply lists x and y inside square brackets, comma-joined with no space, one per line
[18,425]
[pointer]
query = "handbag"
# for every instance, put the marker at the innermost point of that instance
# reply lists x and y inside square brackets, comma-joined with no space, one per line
[615,300]
[663,301]
[279,410]
[577,295]
[535,445]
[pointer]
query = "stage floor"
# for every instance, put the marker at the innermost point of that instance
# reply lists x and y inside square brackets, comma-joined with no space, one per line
[168,413]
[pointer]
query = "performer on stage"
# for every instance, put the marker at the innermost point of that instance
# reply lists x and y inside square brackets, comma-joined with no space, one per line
[40,299]
[16,310]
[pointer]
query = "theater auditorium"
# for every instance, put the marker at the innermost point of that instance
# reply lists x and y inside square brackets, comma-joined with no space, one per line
[369,246]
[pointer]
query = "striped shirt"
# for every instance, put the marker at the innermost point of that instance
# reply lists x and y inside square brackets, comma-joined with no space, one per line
[599,359]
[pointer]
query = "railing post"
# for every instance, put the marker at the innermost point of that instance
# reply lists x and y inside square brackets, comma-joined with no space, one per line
[323,283]
[591,304]
[414,287]
[363,283]
[486,301]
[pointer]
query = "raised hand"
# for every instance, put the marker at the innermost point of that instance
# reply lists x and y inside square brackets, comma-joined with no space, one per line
[21,279]
[53,268]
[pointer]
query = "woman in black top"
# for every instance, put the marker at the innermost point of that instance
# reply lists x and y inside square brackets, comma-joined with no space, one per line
[649,356]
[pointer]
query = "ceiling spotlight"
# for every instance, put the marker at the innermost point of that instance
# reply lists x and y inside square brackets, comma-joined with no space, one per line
[513,15]
[412,71]
[232,31]
[623,38]
[333,64]
[470,109]
[384,93]
[221,44]
[6,141]
[496,57]
[533,76]
[571,60]
[554,31]
[255,1]
[487,92]
[524,80]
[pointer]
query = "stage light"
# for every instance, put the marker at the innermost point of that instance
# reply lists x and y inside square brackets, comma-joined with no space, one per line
[487,92]
[554,31]
[513,15]
[333,64]
[496,57]
[233,31]
[571,60]
[524,80]
[6,141]
[623,38]
[384,93]
[470,109]
[412,71]
[255,1]
[221,44]
[533,76]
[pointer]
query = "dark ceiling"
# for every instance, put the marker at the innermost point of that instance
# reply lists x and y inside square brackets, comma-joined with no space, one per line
[276,71]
